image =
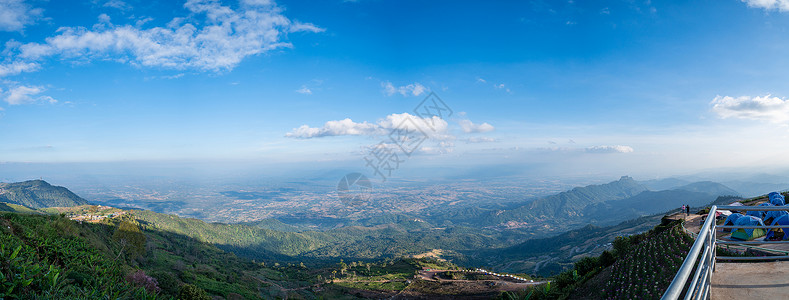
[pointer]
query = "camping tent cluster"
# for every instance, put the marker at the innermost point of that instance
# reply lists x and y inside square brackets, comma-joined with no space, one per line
[760,218]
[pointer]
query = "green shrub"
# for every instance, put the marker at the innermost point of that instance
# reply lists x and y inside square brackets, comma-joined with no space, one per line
[587,264]
[192,292]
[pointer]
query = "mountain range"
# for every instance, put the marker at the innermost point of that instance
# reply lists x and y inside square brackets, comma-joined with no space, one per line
[542,236]
[603,204]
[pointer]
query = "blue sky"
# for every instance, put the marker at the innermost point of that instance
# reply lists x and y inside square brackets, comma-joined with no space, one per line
[620,87]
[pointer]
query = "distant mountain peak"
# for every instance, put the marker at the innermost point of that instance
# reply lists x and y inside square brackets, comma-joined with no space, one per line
[38,194]
[40,182]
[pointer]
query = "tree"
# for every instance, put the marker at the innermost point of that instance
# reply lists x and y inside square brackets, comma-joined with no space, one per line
[130,238]
[192,292]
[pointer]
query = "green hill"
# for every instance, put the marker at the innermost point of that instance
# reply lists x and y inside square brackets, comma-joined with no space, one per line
[17,208]
[38,194]
[644,204]
[547,215]
[570,204]
[603,204]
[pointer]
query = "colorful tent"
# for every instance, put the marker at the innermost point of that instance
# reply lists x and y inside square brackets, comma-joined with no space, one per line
[722,214]
[779,233]
[747,234]
[735,204]
[776,199]
[730,220]
[771,216]
[758,214]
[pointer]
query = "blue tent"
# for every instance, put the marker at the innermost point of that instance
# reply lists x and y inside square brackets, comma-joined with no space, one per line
[776,199]
[748,234]
[758,214]
[731,219]
[779,232]
[771,216]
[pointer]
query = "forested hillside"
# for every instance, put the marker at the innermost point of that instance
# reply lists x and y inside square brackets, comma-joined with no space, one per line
[52,257]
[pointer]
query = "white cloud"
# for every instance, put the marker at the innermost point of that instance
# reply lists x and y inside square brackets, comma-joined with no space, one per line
[212,38]
[48,99]
[609,149]
[298,26]
[414,89]
[17,67]
[15,14]
[257,2]
[22,94]
[104,18]
[480,139]
[436,129]
[470,127]
[766,108]
[384,126]
[176,76]
[501,86]
[117,4]
[443,147]
[304,90]
[334,128]
[780,5]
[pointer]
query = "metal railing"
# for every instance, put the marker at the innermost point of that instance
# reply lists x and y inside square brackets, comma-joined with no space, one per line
[699,287]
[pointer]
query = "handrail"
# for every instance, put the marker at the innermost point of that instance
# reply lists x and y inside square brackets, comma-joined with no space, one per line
[678,284]
[753,208]
[752,227]
[705,245]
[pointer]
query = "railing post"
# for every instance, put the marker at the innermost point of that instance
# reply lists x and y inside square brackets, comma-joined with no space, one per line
[713,237]
[711,263]
[697,253]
